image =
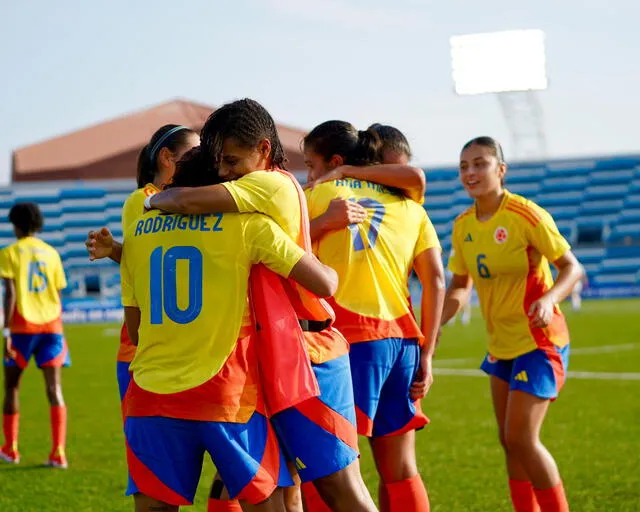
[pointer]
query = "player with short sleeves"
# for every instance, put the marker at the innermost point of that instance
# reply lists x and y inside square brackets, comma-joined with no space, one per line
[390,355]
[33,278]
[194,387]
[503,244]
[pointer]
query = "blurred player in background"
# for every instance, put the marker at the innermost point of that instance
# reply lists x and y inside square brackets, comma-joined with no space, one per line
[576,293]
[156,165]
[504,244]
[390,357]
[195,384]
[33,278]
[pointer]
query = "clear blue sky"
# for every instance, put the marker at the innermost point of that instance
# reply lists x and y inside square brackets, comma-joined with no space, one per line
[69,64]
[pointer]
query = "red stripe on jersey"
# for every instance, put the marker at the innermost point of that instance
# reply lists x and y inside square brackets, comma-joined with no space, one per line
[525,209]
[522,214]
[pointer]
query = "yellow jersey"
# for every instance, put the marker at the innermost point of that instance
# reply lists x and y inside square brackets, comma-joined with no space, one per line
[36,269]
[508,259]
[188,275]
[132,209]
[373,259]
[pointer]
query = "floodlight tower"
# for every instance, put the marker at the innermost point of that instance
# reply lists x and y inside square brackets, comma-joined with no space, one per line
[511,64]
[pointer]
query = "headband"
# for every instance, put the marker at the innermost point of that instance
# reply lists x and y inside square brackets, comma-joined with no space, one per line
[158,144]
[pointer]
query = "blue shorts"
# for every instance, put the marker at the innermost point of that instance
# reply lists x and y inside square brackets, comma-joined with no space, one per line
[383,371]
[541,372]
[319,435]
[49,350]
[165,457]
[124,377]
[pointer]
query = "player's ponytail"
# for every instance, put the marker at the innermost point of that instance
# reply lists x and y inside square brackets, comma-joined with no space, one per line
[341,138]
[393,140]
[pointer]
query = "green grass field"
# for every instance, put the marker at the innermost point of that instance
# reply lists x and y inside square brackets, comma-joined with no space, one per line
[593,430]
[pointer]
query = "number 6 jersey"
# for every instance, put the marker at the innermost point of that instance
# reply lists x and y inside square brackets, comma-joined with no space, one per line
[37,271]
[508,259]
[373,259]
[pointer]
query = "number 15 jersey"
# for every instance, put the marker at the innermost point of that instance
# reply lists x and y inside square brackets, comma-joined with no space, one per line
[508,259]
[373,259]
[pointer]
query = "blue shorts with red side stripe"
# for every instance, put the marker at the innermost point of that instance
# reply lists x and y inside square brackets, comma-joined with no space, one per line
[49,350]
[540,373]
[319,435]
[165,457]
[383,371]
[124,377]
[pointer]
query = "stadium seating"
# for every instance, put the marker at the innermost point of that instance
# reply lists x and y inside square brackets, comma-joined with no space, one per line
[595,202]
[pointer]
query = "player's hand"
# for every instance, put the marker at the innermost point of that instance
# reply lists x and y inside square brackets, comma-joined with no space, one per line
[335,174]
[99,244]
[9,352]
[423,380]
[541,312]
[341,213]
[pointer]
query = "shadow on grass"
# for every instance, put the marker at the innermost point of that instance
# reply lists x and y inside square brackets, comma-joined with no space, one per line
[25,467]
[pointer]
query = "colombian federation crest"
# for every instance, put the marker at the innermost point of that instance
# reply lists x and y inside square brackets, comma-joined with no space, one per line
[500,235]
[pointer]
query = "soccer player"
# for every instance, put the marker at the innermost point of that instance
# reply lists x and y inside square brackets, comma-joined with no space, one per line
[33,277]
[390,356]
[504,244]
[194,387]
[156,165]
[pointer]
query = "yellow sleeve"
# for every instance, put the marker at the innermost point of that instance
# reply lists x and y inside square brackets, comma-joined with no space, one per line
[267,243]
[7,268]
[134,206]
[60,277]
[456,260]
[318,199]
[546,238]
[262,192]
[427,238]
[126,281]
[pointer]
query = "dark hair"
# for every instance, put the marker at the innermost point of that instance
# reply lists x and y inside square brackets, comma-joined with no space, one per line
[147,162]
[487,142]
[392,139]
[27,217]
[193,170]
[341,138]
[246,121]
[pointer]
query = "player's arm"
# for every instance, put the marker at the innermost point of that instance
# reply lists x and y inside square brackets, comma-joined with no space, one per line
[9,306]
[209,199]
[410,180]
[428,267]
[569,273]
[132,320]
[456,296]
[315,276]
[101,244]
[340,214]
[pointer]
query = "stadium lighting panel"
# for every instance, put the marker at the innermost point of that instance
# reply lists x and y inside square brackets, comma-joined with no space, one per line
[498,62]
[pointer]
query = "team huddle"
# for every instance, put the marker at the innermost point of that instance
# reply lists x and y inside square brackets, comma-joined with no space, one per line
[270,326]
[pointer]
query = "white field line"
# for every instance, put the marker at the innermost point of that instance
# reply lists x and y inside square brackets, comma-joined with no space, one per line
[604,349]
[465,372]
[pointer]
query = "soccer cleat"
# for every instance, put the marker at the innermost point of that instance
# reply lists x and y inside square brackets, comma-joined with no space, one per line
[10,456]
[57,460]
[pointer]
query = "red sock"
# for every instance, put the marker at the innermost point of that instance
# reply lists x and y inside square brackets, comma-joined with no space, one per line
[58,429]
[552,500]
[312,499]
[522,496]
[223,506]
[10,427]
[409,494]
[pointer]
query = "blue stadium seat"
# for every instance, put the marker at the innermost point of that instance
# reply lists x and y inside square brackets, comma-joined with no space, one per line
[82,193]
[611,177]
[560,198]
[606,192]
[564,184]
[528,190]
[624,234]
[605,207]
[632,201]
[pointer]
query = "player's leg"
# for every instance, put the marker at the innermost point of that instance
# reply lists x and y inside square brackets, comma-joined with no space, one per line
[538,377]
[219,500]
[393,435]
[465,318]
[11,413]
[51,354]
[144,503]
[520,487]
[320,436]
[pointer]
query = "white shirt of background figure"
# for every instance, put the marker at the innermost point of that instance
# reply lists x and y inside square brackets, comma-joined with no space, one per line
[576,293]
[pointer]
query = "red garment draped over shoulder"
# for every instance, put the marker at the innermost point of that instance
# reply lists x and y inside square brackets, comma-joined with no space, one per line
[284,361]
